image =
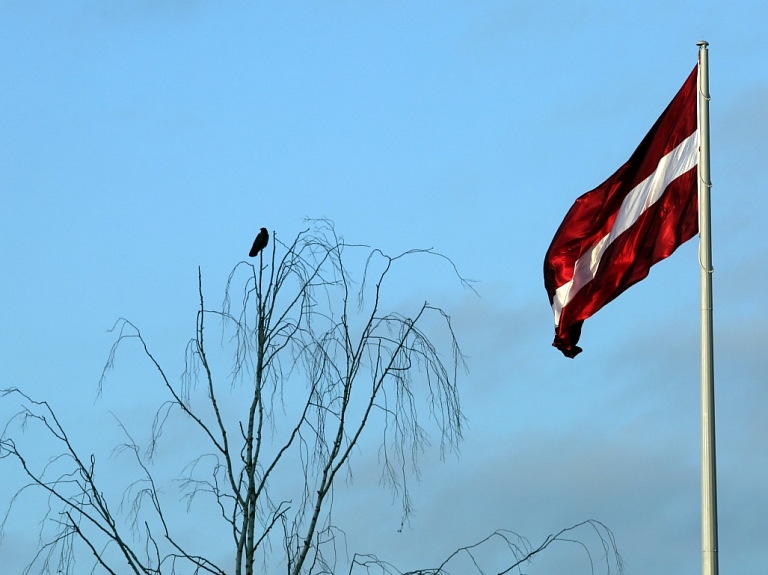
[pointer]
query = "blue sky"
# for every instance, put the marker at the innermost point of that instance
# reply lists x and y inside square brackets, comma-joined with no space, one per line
[140,140]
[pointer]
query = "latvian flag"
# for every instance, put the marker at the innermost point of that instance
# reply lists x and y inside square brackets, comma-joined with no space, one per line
[613,234]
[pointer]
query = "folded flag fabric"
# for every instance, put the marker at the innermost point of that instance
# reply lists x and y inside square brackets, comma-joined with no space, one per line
[613,234]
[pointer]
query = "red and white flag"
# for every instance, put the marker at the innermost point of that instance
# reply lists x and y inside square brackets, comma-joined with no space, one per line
[613,234]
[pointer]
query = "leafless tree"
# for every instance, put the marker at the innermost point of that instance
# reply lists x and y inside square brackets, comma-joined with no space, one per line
[308,374]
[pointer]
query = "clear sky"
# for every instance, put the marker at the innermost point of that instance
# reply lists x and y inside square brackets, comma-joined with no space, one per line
[140,140]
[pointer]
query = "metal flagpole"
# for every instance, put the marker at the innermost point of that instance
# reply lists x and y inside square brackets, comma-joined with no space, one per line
[708,468]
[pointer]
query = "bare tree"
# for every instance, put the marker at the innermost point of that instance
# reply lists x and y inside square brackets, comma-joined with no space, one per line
[309,374]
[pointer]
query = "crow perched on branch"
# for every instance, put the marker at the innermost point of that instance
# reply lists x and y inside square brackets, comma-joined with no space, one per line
[259,243]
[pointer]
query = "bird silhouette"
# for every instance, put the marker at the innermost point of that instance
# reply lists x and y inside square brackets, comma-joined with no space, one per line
[259,243]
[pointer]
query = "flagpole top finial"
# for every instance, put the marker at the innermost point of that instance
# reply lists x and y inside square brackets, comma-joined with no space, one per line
[702,43]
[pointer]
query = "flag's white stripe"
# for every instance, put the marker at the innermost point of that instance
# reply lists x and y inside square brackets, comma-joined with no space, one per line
[643,196]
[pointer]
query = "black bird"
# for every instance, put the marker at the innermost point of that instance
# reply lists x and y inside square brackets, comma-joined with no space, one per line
[259,243]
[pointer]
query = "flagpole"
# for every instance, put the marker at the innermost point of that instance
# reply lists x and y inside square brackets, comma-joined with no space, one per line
[708,468]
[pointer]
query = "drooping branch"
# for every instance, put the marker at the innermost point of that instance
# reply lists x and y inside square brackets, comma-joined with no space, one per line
[520,552]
